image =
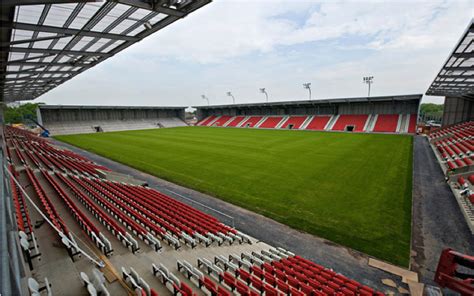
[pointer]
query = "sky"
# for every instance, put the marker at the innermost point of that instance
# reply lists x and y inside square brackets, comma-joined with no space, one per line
[241,46]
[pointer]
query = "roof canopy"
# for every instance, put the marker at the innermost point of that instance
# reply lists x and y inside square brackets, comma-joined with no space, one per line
[398,98]
[47,42]
[456,77]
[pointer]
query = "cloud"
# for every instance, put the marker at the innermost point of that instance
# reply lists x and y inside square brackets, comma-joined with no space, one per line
[243,45]
[228,29]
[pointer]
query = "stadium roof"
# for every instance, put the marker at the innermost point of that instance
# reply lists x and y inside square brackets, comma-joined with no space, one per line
[92,107]
[320,102]
[456,77]
[47,42]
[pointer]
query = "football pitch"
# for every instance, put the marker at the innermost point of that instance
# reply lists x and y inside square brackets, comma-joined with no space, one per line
[352,189]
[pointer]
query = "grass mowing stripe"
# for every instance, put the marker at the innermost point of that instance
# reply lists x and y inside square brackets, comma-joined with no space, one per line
[353,189]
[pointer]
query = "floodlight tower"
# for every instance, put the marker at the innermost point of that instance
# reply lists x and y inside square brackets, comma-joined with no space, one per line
[308,87]
[205,98]
[263,91]
[231,95]
[368,80]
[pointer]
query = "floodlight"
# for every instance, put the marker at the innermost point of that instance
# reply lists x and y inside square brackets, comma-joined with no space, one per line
[263,91]
[308,87]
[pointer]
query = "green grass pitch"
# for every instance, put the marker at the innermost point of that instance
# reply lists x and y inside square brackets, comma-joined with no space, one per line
[353,189]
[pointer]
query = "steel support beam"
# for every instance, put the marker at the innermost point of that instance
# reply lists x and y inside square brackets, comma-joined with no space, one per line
[66,31]
[57,51]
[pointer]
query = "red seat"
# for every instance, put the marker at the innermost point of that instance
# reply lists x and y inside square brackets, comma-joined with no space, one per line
[271,122]
[307,289]
[222,292]
[229,280]
[386,123]
[244,275]
[186,290]
[242,288]
[257,271]
[269,290]
[318,122]
[256,283]
[357,121]
[282,286]
[269,278]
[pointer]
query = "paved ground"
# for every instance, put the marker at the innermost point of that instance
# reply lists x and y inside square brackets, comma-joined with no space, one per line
[344,260]
[437,221]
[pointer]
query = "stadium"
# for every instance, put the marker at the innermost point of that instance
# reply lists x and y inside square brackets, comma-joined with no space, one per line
[332,196]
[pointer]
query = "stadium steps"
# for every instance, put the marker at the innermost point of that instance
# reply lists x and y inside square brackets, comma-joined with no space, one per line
[282,122]
[369,126]
[271,122]
[236,121]
[404,123]
[306,122]
[296,122]
[332,121]
[229,121]
[399,123]
[264,118]
[243,121]
[221,120]
[210,123]
[412,120]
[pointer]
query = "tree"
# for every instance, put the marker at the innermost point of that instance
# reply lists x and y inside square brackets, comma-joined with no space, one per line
[20,113]
[431,111]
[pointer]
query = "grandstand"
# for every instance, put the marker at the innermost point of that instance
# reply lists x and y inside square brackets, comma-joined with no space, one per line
[73,223]
[63,120]
[453,145]
[387,114]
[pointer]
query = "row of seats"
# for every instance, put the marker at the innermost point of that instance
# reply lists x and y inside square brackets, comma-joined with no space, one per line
[198,221]
[86,224]
[176,219]
[140,226]
[467,188]
[137,283]
[272,272]
[52,158]
[95,285]
[455,145]
[171,281]
[390,123]
[26,235]
[465,129]
[116,229]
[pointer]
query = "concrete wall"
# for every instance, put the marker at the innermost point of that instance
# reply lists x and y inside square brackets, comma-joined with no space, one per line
[457,109]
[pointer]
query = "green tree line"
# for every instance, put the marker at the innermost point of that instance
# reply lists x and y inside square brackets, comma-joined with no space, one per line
[20,113]
[431,110]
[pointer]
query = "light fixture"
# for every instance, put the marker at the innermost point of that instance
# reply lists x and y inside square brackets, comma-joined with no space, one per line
[368,80]
[205,98]
[263,91]
[231,95]
[308,87]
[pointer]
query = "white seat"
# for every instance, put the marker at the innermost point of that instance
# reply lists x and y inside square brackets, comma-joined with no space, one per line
[22,234]
[85,278]
[91,289]
[98,276]
[25,245]
[33,285]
